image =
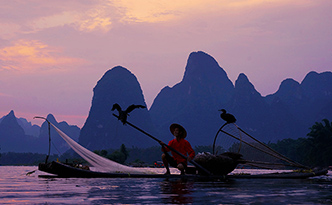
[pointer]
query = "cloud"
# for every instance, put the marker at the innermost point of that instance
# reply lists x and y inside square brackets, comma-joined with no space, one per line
[5,95]
[169,10]
[56,20]
[8,29]
[31,17]
[94,19]
[32,55]
[101,16]
[46,41]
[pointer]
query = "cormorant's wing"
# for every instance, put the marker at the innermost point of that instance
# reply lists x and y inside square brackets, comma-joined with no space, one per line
[132,107]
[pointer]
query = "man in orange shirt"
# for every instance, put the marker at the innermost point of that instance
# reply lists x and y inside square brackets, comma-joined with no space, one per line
[179,144]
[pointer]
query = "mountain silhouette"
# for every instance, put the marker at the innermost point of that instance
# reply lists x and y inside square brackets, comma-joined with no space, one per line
[205,88]
[195,101]
[32,138]
[58,145]
[13,137]
[299,105]
[28,128]
[102,130]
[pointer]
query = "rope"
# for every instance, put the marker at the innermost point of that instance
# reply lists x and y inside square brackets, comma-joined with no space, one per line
[272,150]
[269,150]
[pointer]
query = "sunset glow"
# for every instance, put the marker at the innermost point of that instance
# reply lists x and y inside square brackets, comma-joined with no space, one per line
[32,55]
[66,46]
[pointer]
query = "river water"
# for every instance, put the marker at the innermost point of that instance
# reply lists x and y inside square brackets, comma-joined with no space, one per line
[17,188]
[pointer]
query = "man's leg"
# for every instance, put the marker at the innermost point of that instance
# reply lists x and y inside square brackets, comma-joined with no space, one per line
[164,158]
[181,167]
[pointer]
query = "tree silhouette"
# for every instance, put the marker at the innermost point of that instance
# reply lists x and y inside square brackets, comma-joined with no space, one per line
[319,144]
[119,156]
[315,150]
[124,151]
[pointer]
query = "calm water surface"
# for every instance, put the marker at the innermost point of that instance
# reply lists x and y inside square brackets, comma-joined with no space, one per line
[17,188]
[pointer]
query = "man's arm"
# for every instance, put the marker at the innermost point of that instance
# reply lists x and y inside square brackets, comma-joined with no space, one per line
[190,151]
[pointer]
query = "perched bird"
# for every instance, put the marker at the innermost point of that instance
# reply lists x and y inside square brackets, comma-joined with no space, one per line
[229,118]
[123,114]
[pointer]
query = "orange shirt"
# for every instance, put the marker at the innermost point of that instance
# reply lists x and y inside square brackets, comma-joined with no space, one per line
[182,146]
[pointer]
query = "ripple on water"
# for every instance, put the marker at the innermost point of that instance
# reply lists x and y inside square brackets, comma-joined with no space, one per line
[17,188]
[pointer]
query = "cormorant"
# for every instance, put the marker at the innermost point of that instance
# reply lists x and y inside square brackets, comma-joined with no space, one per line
[229,118]
[123,114]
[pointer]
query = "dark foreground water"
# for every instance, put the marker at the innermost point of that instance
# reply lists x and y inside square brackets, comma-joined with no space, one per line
[17,188]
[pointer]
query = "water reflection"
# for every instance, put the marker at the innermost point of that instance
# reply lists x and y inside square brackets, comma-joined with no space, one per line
[177,191]
[17,188]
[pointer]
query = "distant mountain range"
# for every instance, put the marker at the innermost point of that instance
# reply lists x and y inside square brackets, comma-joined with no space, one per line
[194,103]
[19,135]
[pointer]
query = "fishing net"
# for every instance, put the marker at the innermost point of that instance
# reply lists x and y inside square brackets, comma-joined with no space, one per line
[99,162]
[231,138]
[224,143]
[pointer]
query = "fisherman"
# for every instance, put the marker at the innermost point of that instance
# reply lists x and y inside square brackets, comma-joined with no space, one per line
[179,144]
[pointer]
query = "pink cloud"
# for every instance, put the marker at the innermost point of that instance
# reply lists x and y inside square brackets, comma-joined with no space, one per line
[33,55]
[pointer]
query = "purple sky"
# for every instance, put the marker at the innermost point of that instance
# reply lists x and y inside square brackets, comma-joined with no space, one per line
[52,53]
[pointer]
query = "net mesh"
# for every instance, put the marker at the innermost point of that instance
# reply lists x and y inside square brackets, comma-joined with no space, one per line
[99,162]
[225,143]
[231,138]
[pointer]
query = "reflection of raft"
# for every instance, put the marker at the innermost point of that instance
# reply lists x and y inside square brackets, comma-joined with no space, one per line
[221,164]
[284,175]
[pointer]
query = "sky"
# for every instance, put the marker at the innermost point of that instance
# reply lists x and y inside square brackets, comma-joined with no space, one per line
[52,53]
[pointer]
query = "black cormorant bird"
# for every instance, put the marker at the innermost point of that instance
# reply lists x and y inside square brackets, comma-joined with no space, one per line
[229,118]
[123,114]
